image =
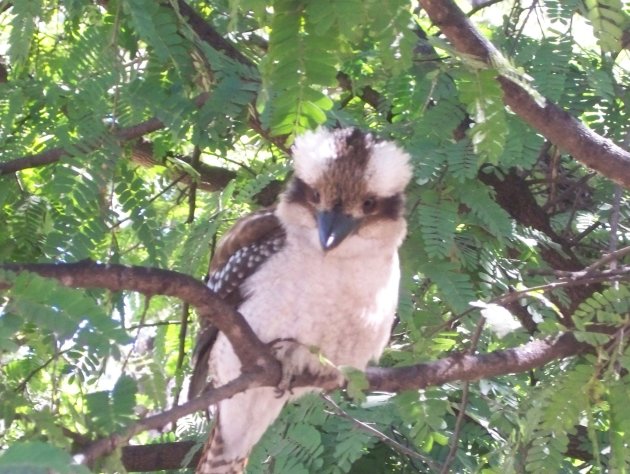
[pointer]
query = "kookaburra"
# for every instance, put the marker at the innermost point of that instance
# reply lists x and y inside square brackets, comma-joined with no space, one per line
[320,269]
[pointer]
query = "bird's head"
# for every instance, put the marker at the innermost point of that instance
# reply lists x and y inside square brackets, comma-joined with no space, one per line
[347,182]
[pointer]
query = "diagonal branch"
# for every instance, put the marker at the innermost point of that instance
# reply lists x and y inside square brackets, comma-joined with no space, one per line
[153,281]
[468,367]
[449,369]
[557,125]
[125,134]
[122,134]
[254,354]
[106,445]
[53,155]
[259,367]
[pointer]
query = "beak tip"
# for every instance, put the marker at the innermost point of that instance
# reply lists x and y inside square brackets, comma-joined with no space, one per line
[333,229]
[328,243]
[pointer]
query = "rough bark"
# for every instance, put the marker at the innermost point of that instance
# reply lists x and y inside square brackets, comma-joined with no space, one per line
[562,129]
[260,368]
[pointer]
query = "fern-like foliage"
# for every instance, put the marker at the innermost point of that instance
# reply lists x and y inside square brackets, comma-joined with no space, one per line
[425,412]
[553,418]
[85,227]
[490,215]
[551,82]
[561,10]
[484,99]
[300,57]
[438,218]
[610,307]
[455,285]
[37,456]
[134,200]
[609,20]
[309,437]
[619,425]
[109,410]
[522,145]
[158,27]
[22,31]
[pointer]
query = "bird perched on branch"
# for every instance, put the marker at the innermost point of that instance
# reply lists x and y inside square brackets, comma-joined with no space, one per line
[316,275]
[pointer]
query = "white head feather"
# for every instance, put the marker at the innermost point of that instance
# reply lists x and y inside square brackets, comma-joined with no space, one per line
[388,170]
[311,151]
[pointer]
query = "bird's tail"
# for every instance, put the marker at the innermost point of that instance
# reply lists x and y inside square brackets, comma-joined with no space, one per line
[215,459]
[240,423]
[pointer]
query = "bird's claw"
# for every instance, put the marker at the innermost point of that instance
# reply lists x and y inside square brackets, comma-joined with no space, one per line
[285,349]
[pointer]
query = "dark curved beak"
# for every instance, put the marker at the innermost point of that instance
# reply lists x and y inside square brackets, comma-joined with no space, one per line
[334,226]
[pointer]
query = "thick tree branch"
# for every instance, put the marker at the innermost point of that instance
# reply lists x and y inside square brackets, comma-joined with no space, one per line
[473,367]
[254,354]
[260,369]
[211,178]
[105,446]
[122,134]
[209,35]
[152,281]
[558,126]
[450,369]
[158,456]
[53,155]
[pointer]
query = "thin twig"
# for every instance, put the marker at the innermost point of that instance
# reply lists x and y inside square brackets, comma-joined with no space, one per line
[576,239]
[143,316]
[566,279]
[614,223]
[606,259]
[580,278]
[155,324]
[459,422]
[22,385]
[153,198]
[366,428]
[192,190]
[181,351]
[481,6]
[568,191]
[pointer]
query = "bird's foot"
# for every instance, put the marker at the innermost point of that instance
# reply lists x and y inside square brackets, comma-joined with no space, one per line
[297,358]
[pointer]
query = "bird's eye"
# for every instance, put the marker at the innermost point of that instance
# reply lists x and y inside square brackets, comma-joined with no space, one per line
[369,205]
[314,196]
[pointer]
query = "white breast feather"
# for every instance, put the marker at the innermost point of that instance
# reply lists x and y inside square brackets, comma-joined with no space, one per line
[343,306]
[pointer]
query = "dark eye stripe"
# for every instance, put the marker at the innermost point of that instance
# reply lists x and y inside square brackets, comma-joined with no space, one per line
[385,208]
[301,193]
[390,207]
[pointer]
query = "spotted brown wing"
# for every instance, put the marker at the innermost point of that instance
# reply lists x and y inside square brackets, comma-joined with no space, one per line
[241,251]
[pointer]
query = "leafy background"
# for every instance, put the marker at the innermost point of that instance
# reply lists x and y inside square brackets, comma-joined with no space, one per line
[150,129]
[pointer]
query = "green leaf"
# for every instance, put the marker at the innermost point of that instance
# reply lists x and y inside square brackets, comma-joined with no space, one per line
[438,218]
[609,19]
[357,383]
[38,458]
[493,217]
[23,30]
[484,97]
[109,411]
